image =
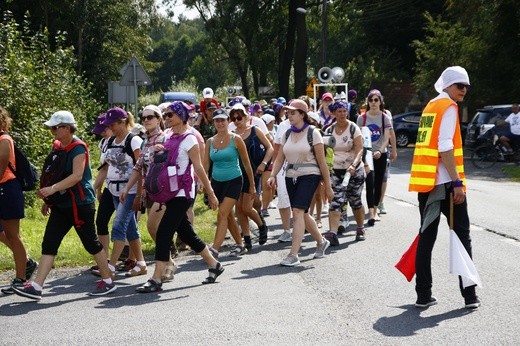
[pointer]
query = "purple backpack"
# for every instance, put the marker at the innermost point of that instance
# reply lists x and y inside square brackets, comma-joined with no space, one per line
[162,182]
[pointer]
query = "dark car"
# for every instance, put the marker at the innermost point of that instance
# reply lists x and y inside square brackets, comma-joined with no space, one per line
[406,126]
[177,96]
[483,120]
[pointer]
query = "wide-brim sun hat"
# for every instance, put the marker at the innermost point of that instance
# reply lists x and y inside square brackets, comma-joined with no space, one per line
[450,76]
[60,117]
[297,104]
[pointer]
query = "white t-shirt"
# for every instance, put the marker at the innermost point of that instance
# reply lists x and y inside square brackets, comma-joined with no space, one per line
[344,155]
[446,133]
[253,121]
[120,165]
[184,159]
[514,122]
[280,132]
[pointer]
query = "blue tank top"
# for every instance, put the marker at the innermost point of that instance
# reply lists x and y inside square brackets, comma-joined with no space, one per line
[225,161]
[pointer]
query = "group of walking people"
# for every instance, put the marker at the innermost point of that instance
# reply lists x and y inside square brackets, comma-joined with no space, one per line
[306,156]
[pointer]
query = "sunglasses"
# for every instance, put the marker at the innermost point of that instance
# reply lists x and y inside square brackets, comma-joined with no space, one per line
[239,118]
[148,117]
[168,115]
[373,100]
[461,86]
[54,128]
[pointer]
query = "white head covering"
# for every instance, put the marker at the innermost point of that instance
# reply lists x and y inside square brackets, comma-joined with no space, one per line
[451,75]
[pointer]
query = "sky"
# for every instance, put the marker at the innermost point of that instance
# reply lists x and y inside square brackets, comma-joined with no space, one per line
[178,10]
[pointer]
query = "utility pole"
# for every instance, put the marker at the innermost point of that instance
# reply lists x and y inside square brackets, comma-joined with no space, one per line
[324,33]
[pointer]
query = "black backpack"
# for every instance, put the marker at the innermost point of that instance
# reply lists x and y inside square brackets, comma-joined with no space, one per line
[256,150]
[25,171]
[127,149]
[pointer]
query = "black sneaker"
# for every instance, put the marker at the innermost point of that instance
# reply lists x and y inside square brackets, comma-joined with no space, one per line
[262,237]
[331,237]
[426,302]
[17,282]
[30,267]
[28,291]
[472,302]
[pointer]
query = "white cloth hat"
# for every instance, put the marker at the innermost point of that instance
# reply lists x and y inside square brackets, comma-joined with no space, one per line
[315,116]
[60,117]
[450,76]
[240,107]
[152,110]
[207,93]
[267,118]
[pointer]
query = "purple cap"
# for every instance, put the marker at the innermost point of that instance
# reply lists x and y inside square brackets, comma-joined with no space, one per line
[100,127]
[113,115]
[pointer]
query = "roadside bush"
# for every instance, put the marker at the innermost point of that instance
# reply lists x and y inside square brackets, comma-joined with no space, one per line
[36,81]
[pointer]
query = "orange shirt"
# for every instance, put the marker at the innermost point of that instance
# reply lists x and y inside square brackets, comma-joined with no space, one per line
[8,174]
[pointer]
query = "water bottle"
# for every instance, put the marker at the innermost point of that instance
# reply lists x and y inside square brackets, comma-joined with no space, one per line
[346,179]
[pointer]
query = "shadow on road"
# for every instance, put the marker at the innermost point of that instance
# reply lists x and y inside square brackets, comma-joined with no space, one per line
[410,321]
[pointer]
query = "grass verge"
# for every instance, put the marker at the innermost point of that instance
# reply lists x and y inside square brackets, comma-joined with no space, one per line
[513,172]
[72,253]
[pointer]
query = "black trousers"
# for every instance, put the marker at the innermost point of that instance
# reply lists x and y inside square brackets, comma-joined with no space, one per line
[174,220]
[427,239]
[104,213]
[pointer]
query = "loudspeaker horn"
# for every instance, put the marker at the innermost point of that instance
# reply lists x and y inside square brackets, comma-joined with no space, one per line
[338,74]
[231,91]
[325,74]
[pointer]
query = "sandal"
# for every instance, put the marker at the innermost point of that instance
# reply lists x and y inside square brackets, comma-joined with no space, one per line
[150,286]
[169,272]
[136,271]
[214,273]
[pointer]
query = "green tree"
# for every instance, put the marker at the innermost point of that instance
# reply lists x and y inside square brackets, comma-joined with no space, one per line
[35,82]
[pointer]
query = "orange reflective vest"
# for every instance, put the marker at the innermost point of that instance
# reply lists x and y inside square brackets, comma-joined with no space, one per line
[426,155]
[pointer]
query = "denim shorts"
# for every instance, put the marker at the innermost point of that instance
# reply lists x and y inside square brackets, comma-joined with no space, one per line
[11,200]
[301,190]
[124,226]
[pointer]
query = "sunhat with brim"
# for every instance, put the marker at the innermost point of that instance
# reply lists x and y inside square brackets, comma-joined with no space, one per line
[299,105]
[99,127]
[450,76]
[60,117]
[113,115]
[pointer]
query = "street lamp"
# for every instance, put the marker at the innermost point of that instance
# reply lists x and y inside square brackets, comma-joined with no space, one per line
[323,53]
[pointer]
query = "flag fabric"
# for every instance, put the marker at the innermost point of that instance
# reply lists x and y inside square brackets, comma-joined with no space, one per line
[461,264]
[406,264]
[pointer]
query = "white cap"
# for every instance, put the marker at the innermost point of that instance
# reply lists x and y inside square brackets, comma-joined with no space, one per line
[207,93]
[60,117]
[450,76]
[267,118]
[343,96]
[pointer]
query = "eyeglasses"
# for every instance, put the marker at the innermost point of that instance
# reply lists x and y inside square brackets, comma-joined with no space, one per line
[148,117]
[54,128]
[168,115]
[373,100]
[461,86]
[239,118]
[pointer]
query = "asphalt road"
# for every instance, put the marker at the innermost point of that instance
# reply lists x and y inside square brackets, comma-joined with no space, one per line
[354,296]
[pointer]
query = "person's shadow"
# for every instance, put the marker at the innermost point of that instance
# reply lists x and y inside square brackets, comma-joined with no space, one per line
[410,321]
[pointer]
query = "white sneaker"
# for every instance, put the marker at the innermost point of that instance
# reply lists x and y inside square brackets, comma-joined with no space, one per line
[290,261]
[286,237]
[320,248]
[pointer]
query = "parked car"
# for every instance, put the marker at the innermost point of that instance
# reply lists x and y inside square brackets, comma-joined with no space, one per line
[171,96]
[406,126]
[483,120]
